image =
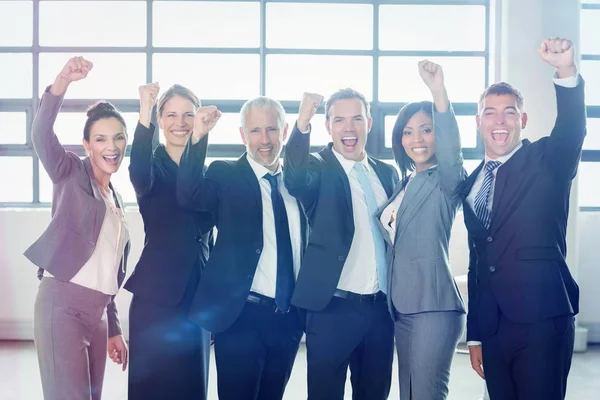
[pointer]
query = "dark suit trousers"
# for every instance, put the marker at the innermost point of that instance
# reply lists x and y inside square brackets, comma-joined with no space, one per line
[529,361]
[255,355]
[169,354]
[350,333]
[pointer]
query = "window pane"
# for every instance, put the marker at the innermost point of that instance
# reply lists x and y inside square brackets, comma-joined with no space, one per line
[319,135]
[13,127]
[210,76]
[16,75]
[114,76]
[413,27]
[289,76]
[69,126]
[18,184]
[228,24]
[590,70]
[320,26]
[16,21]
[93,23]
[227,130]
[466,126]
[399,79]
[592,139]
[589,191]
[590,39]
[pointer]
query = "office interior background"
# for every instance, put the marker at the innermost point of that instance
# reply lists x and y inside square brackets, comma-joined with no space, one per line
[231,51]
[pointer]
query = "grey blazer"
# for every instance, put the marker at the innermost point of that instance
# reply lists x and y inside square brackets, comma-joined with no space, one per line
[78,209]
[419,276]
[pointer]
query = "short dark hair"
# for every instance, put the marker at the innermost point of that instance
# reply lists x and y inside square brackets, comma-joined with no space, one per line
[344,94]
[176,90]
[101,110]
[404,162]
[502,88]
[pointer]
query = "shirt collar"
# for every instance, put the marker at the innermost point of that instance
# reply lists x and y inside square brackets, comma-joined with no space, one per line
[347,165]
[260,170]
[505,157]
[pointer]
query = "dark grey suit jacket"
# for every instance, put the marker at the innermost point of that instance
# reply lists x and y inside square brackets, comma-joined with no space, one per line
[78,209]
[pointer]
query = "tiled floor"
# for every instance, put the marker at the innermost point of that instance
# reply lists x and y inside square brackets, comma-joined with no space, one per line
[19,377]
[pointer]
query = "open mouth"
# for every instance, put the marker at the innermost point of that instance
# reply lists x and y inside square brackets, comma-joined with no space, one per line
[349,142]
[500,136]
[111,160]
[419,150]
[180,133]
[265,150]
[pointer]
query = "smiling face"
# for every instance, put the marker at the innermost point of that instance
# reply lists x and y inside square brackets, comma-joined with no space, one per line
[176,120]
[418,141]
[499,122]
[263,134]
[348,124]
[106,145]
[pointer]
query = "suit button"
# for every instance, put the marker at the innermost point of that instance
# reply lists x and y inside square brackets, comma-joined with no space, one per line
[492,268]
[258,251]
[474,245]
[489,239]
[341,258]
[249,276]
[198,239]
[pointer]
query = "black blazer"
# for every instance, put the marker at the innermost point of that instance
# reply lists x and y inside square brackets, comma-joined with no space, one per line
[321,185]
[177,240]
[230,192]
[518,266]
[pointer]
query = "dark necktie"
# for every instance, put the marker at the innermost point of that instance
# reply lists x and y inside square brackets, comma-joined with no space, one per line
[482,199]
[285,264]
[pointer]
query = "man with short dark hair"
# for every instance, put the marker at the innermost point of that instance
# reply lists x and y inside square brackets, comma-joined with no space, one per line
[522,297]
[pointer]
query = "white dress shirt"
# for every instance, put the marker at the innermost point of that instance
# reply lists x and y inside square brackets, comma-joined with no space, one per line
[569,82]
[101,271]
[359,274]
[265,277]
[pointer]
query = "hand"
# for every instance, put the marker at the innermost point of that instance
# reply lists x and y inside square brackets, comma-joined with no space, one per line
[148,96]
[476,356]
[75,69]
[117,350]
[205,120]
[308,107]
[560,53]
[432,75]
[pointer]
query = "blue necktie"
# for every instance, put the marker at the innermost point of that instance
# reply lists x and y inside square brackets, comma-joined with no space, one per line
[365,183]
[284,285]
[482,198]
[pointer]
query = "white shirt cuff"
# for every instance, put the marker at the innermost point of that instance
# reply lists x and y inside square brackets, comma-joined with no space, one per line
[307,130]
[473,343]
[568,82]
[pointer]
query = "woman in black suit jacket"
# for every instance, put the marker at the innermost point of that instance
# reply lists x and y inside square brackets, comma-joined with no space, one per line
[169,353]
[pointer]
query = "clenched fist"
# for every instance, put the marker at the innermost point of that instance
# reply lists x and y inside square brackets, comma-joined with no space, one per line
[308,107]
[205,120]
[148,96]
[560,53]
[75,69]
[432,75]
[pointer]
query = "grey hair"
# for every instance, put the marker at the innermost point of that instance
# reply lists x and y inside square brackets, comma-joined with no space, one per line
[263,102]
[345,94]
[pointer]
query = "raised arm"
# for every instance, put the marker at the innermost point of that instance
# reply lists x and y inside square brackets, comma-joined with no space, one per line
[58,162]
[300,179]
[448,150]
[196,190]
[566,139]
[141,172]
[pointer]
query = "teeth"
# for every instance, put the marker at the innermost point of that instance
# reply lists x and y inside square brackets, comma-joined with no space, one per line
[111,157]
[500,131]
[419,150]
[264,150]
[179,133]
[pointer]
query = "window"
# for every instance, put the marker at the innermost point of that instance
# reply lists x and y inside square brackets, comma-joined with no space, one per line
[230,51]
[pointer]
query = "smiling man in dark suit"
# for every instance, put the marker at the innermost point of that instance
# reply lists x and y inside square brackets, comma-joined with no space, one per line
[522,297]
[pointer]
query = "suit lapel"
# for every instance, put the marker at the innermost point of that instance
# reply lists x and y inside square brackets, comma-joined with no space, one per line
[419,189]
[385,180]
[336,167]
[249,176]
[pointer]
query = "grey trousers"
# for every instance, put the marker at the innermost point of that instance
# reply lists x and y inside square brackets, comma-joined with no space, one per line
[426,343]
[71,334]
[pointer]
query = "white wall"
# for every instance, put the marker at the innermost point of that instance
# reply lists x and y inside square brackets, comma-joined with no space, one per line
[18,282]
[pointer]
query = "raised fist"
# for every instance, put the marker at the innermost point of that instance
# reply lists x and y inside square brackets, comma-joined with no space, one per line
[75,69]
[148,95]
[205,120]
[560,53]
[308,107]
[432,75]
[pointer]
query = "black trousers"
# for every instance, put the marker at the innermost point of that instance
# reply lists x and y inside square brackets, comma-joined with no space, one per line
[355,334]
[529,361]
[255,355]
[169,354]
